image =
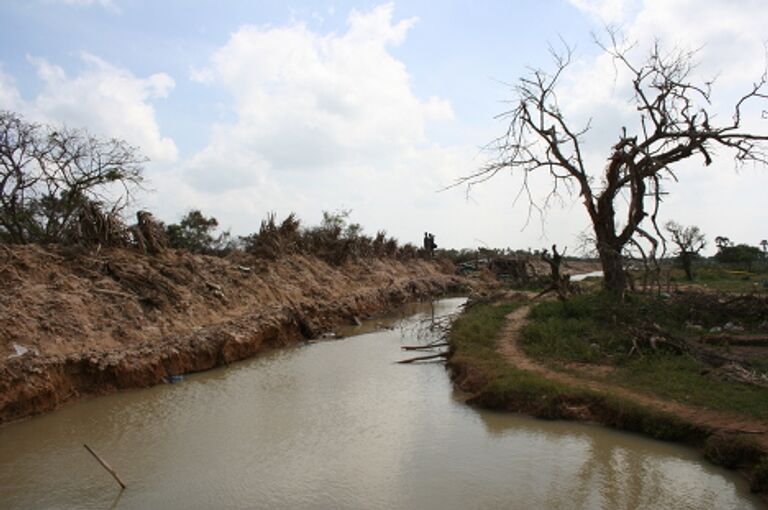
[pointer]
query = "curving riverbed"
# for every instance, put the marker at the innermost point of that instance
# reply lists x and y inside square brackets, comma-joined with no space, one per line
[338,425]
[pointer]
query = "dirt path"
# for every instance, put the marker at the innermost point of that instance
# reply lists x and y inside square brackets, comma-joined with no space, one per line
[509,347]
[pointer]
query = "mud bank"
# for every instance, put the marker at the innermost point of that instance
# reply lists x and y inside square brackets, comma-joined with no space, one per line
[91,324]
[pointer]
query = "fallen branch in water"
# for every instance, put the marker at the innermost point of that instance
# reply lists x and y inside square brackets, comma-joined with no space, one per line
[106,466]
[424,347]
[424,358]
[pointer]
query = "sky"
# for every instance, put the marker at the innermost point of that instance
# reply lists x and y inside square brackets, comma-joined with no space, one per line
[245,108]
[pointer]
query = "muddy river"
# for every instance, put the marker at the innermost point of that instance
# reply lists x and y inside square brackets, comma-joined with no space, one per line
[338,425]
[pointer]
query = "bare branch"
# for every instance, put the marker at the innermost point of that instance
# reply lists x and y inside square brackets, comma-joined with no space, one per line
[675,124]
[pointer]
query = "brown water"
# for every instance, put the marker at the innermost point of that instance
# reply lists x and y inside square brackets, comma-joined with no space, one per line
[338,425]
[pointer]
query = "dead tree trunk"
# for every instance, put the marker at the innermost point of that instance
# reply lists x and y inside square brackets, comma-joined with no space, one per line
[559,283]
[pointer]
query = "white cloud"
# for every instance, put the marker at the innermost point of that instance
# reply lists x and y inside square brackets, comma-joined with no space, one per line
[10,99]
[606,11]
[319,116]
[731,34]
[107,100]
[376,27]
[438,109]
[328,121]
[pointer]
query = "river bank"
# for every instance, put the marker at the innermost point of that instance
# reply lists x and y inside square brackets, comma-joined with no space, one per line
[76,323]
[489,362]
[341,425]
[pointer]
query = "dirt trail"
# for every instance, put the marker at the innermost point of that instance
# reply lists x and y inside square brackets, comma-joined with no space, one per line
[509,347]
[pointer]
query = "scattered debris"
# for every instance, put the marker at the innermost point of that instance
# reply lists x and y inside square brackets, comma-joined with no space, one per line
[739,373]
[20,351]
[733,327]
[725,339]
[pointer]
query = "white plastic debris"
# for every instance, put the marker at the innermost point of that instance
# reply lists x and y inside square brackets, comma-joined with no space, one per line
[20,351]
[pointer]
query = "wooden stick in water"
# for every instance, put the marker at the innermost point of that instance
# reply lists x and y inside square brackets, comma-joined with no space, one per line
[106,466]
[424,347]
[424,358]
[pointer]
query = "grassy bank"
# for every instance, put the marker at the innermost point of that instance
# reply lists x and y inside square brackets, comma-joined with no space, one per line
[597,329]
[722,278]
[565,332]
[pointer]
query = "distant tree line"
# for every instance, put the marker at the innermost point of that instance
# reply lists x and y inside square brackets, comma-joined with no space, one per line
[689,241]
[335,240]
[742,255]
[65,186]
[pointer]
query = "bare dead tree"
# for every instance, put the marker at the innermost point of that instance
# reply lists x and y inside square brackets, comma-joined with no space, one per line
[49,176]
[559,283]
[689,241]
[554,261]
[674,124]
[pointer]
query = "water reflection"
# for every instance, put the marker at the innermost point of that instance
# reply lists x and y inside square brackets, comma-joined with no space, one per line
[340,425]
[603,468]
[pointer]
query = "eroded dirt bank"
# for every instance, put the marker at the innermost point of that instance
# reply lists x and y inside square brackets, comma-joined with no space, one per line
[74,323]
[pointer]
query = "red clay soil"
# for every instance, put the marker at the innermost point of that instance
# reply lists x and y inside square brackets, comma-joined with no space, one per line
[94,323]
[706,419]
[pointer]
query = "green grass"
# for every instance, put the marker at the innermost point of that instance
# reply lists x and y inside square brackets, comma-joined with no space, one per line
[596,328]
[592,328]
[680,378]
[724,279]
[473,338]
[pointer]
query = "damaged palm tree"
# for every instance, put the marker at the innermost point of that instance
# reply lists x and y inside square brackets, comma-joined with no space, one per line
[96,227]
[674,123]
[149,234]
[275,240]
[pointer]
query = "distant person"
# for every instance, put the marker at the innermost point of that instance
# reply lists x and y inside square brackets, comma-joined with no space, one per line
[429,244]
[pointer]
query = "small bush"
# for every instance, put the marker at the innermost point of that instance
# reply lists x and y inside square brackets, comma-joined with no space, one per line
[760,477]
[731,451]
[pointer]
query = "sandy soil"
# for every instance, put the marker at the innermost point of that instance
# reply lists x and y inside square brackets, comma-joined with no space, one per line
[75,323]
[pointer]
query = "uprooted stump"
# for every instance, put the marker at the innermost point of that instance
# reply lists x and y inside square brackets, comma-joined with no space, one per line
[148,234]
[97,227]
